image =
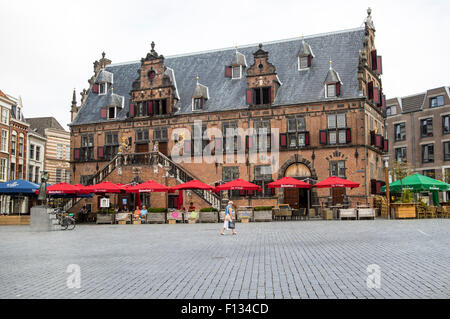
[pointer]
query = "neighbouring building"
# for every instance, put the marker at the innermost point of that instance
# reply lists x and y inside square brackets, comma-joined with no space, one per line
[320,98]
[418,128]
[56,155]
[5,110]
[36,148]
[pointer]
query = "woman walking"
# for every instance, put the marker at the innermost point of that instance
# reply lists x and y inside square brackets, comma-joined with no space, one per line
[228,218]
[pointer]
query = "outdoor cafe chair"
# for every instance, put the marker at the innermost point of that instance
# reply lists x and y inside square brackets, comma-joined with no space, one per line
[431,212]
[421,212]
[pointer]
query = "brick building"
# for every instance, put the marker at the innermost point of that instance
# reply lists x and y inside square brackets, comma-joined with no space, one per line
[57,148]
[326,117]
[418,128]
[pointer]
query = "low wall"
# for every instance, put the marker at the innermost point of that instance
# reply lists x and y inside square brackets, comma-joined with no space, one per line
[15,220]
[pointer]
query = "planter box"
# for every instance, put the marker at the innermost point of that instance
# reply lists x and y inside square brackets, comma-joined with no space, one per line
[137,222]
[15,220]
[157,218]
[244,220]
[172,221]
[404,210]
[208,217]
[243,214]
[122,222]
[105,218]
[262,216]
[327,214]
[192,221]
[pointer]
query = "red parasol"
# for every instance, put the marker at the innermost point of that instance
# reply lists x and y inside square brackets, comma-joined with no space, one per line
[334,181]
[238,184]
[104,187]
[147,187]
[194,184]
[82,190]
[289,182]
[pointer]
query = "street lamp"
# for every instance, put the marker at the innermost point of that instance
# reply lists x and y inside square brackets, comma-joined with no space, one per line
[386,177]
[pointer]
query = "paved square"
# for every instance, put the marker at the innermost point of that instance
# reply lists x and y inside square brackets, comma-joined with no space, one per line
[313,259]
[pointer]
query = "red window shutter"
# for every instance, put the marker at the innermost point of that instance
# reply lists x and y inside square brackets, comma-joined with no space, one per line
[132,109]
[103,113]
[249,96]
[270,95]
[372,138]
[378,141]
[376,95]
[370,90]
[309,61]
[228,71]
[307,139]
[386,146]
[76,154]
[374,60]
[283,140]
[95,88]
[150,108]
[338,89]
[187,146]
[349,135]
[383,102]
[323,137]
[249,142]
[378,187]
[379,65]
[100,152]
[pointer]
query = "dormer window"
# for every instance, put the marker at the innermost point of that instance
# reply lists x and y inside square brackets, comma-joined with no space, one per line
[237,72]
[151,75]
[331,90]
[197,104]
[111,112]
[102,88]
[303,63]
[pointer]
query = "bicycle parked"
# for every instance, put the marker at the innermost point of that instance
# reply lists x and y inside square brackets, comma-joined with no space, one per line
[66,221]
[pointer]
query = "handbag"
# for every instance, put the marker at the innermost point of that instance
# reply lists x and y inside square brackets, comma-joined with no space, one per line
[231,225]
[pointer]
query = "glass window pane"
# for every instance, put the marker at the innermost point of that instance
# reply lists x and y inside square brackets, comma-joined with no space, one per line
[342,137]
[331,90]
[331,121]
[341,120]
[332,137]
[301,125]
[292,125]
[301,140]
[292,141]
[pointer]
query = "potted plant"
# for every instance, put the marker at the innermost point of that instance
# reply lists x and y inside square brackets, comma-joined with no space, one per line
[208,215]
[157,215]
[405,207]
[262,214]
[244,214]
[192,217]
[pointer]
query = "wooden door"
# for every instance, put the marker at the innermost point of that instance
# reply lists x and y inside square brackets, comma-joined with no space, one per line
[338,195]
[163,148]
[291,197]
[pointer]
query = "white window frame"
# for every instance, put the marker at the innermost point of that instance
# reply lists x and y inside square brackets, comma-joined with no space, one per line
[326,90]
[300,63]
[5,141]
[99,88]
[115,112]
[59,151]
[67,152]
[5,116]
[3,171]
[240,72]
[21,146]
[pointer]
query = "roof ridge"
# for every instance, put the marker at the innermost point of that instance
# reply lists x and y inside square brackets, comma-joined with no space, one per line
[247,45]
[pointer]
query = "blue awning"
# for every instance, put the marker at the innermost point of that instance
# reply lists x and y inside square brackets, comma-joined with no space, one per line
[18,187]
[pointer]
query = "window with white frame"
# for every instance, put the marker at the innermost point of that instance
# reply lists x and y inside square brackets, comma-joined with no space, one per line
[36,174]
[5,116]
[13,143]
[38,153]
[59,151]
[58,176]
[31,152]
[5,141]
[21,142]
[67,153]
[3,169]
[67,176]
[237,72]
[331,90]
[303,63]
[102,88]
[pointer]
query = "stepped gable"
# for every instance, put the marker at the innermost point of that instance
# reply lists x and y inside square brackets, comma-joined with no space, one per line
[341,47]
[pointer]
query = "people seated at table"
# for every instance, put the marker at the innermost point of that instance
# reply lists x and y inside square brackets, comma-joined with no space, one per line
[144,212]
[137,213]
[191,207]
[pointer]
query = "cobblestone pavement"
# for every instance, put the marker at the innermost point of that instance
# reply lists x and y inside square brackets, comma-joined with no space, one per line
[303,259]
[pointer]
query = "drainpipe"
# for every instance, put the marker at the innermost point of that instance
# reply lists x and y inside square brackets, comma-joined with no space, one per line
[365,153]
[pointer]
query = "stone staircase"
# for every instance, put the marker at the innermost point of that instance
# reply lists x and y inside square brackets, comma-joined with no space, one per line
[152,159]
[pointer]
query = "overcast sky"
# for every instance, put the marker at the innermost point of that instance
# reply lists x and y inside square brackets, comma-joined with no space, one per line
[48,47]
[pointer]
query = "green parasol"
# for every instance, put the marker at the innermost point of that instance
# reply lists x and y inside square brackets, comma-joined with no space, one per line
[418,183]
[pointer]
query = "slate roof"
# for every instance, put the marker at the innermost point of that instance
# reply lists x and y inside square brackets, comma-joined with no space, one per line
[41,123]
[341,47]
[413,103]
